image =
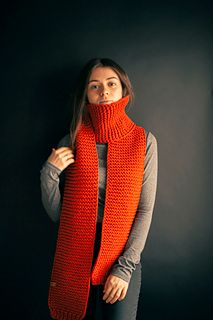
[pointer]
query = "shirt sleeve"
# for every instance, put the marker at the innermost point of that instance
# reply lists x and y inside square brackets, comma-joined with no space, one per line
[51,178]
[126,263]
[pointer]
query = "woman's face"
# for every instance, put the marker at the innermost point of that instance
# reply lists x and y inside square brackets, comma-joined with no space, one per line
[104,86]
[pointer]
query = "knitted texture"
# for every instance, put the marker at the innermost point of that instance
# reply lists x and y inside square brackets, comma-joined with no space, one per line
[72,270]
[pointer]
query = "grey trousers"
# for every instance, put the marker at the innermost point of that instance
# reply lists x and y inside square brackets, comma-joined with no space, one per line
[125,309]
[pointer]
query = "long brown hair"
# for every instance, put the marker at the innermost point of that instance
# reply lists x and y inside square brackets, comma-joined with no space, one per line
[80,96]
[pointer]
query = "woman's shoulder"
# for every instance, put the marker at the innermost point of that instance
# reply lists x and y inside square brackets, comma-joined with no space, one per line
[151,140]
[64,141]
[150,136]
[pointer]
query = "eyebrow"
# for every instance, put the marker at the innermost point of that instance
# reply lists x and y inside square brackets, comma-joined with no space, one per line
[106,79]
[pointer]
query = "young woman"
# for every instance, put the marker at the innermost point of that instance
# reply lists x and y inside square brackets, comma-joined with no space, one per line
[107,166]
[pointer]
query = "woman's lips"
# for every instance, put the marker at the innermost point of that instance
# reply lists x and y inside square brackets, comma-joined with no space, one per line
[105,101]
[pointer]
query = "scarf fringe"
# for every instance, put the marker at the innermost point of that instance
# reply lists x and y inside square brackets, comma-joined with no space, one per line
[64,315]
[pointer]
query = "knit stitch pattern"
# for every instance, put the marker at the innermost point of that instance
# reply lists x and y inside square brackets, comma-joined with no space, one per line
[69,286]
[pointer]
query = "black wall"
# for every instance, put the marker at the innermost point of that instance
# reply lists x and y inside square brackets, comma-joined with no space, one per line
[167,50]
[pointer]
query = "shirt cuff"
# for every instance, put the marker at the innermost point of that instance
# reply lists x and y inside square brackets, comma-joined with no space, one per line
[121,273]
[52,171]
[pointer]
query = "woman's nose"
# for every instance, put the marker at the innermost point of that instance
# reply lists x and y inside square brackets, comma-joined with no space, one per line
[104,91]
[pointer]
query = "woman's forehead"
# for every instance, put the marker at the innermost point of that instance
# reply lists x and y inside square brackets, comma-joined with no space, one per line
[101,73]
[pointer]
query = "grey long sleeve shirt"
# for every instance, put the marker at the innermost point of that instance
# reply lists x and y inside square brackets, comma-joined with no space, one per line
[52,184]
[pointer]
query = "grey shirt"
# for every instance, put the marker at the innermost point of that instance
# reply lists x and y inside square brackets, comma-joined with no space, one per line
[52,184]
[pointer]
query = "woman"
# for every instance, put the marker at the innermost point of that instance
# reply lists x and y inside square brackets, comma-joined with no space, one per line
[109,190]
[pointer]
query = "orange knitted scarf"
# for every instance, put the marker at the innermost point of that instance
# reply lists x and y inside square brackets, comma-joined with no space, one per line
[72,269]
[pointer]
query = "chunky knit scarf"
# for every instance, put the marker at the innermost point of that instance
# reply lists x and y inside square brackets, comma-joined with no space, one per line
[72,269]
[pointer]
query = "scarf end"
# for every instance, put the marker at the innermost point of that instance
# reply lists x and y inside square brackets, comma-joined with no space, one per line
[64,315]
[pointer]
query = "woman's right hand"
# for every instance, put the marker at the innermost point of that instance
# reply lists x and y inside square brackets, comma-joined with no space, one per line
[61,157]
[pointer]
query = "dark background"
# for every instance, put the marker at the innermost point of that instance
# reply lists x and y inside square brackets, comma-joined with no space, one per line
[167,50]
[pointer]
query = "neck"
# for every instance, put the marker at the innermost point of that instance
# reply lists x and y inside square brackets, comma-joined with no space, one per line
[110,121]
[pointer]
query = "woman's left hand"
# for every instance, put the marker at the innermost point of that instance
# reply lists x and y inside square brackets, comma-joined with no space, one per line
[115,289]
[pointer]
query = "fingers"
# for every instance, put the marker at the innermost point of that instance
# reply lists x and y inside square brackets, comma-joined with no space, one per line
[64,153]
[123,294]
[114,295]
[63,150]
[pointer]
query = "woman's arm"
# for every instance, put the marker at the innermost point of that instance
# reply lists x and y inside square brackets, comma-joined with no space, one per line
[125,264]
[50,182]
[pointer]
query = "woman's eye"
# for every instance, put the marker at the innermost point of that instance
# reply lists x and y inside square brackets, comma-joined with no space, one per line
[112,84]
[94,87]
